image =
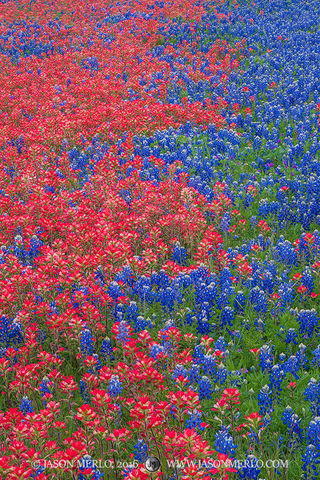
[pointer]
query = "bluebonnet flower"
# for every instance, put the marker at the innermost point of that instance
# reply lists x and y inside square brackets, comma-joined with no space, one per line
[132,313]
[11,332]
[301,356]
[114,290]
[156,349]
[194,373]
[106,349]
[194,421]
[209,364]
[25,405]
[246,324]
[220,344]
[227,316]
[221,374]
[206,293]
[190,318]
[308,320]
[312,393]
[203,325]
[307,280]
[168,348]
[161,279]
[293,422]
[285,252]
[224,442]
[53,308]
[292,365]
[44,388]
[115,386]
[179,254]
[253,221]
[286,294]
[310,461]
[167,299]
[250,470]
[140,451]
[142,323]
[84,392]
[239,302]
[316,356]
[206,309]
[291,336]
[237,336]
[205,388]
[258,300]
[35,244]
[224,298]
[178,371]
[119,311]
[276,376]
[100,276]
[313,433]
[86,342]
[19,250]
[265,400]
[123,332]
[225,222]
[265,357]
[225,278]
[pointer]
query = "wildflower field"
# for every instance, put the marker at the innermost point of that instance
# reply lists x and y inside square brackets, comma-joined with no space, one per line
[160,252]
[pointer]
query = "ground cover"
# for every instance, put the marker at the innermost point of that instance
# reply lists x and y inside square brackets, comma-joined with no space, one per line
[159,268]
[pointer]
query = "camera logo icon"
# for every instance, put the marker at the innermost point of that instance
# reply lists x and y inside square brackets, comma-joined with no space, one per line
[152,464]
